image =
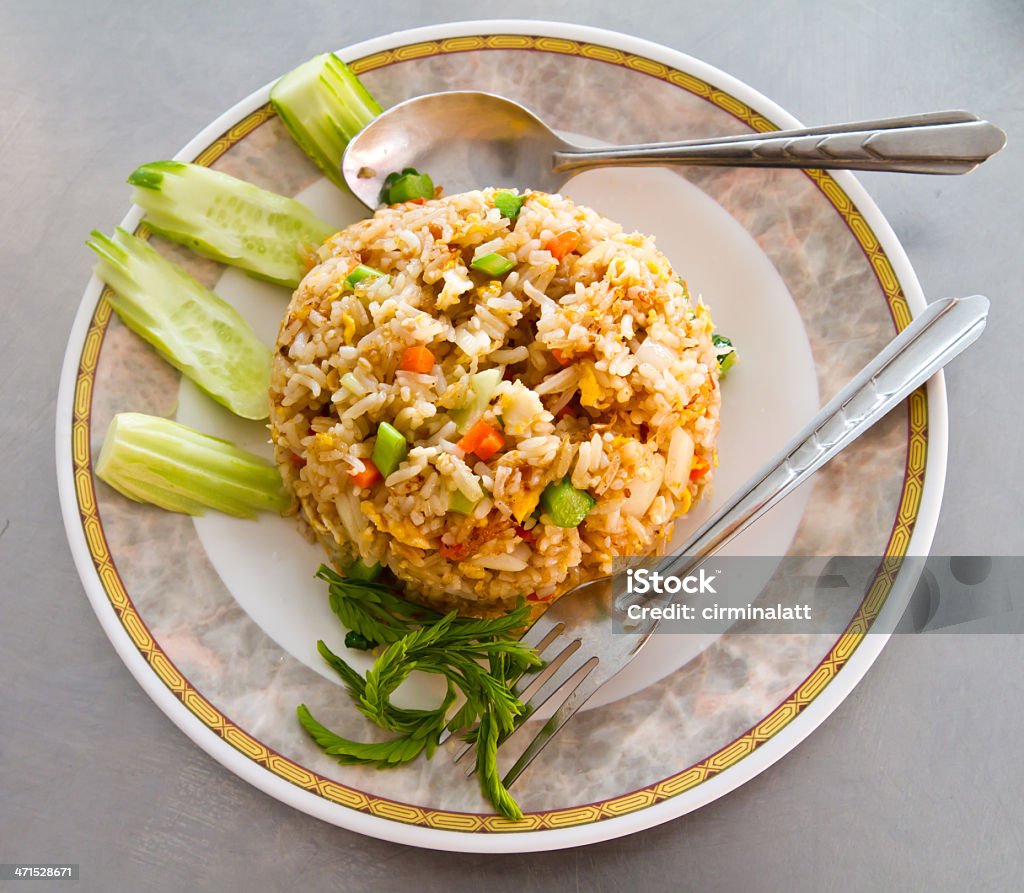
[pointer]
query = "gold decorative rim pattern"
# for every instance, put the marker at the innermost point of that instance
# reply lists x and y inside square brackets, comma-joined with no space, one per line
[778,719]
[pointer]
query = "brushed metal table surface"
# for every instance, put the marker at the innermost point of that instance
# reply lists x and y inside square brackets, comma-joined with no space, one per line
[914,783]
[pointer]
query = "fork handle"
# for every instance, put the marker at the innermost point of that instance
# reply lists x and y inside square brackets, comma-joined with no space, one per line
[951,142]
[941,332]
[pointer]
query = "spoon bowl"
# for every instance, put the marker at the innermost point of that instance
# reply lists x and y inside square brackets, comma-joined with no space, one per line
[463,139]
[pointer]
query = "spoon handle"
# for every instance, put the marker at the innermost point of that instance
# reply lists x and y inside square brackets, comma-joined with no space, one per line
[940,333]
[950,142]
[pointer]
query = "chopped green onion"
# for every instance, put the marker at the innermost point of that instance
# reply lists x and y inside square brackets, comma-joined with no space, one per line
[232,221]
[360,273]
[155,460]
[323,105]
[406,186]
[509,204]
[725,352]
[352,384]
[390,449]
[564,504]
[363,572]
[460,503]
[196,331]
[493,264]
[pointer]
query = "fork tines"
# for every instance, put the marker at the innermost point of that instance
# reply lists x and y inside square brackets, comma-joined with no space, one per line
[563,674]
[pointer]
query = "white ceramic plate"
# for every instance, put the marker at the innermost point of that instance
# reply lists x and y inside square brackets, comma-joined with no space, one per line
[803,273]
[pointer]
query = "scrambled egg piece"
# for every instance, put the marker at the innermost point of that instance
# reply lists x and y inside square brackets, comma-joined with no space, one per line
[523,504]
[519,407]
[403,530]
[590,390]
[348,331]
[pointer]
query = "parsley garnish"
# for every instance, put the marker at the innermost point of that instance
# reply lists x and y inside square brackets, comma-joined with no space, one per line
[480,659]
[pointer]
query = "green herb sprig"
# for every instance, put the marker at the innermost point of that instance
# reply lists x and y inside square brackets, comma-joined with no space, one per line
[480,659]
[373,610]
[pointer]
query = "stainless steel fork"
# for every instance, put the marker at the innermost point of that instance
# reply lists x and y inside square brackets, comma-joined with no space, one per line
[575,634]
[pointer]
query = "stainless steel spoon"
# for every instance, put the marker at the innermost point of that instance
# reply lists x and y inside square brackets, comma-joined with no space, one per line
[468,140]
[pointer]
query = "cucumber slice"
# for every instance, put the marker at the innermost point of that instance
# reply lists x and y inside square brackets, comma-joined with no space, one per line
[155,460]
[323,105]
[228,219]
[481,389]
[190,327]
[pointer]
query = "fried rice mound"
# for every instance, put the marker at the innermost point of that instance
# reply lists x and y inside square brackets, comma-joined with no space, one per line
[601,374]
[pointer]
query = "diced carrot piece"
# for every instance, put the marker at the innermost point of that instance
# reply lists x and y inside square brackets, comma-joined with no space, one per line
[417,359]
[699,468]
[489,444]
[483,439]
[367,477]
[563,244]
[560,357]
[469,441]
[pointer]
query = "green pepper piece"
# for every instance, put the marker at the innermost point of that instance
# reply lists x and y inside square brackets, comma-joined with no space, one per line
[390,449]
[509,204]
[564,504]
[406,187]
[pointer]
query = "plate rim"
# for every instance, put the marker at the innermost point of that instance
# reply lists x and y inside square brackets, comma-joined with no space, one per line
[530,840]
